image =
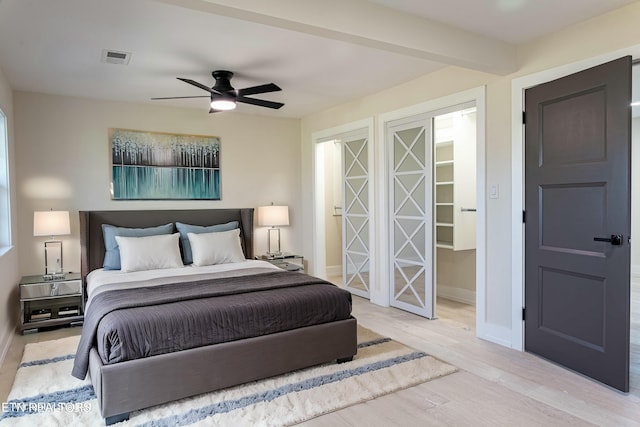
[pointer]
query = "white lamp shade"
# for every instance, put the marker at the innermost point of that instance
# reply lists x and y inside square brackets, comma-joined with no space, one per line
[272,216]
[51,223]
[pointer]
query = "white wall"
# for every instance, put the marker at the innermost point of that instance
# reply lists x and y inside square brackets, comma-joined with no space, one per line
[610,32]
[64,163]
[456,275]
[9,274]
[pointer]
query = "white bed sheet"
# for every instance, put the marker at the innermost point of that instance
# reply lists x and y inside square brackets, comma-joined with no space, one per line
[101,280]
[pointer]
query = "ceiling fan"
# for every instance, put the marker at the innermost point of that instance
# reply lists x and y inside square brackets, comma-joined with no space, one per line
[224,97]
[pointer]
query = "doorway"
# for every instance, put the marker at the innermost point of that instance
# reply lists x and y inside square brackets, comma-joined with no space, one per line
[578,221]
[432,210]
[454,137]
[344,234]
[331,173]
[516,337]
[634,344]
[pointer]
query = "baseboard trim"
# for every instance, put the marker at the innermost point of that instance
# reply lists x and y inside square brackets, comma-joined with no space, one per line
[334,270]
[464,296]
[495,334]
[5,344]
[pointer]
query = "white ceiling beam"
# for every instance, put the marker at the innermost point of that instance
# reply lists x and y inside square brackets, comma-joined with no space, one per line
[369,24]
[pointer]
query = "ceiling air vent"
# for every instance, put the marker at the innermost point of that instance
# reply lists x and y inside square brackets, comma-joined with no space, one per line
[115,57]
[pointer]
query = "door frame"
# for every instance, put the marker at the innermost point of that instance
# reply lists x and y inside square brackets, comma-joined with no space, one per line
[518,87]
[318,257]
[477,95]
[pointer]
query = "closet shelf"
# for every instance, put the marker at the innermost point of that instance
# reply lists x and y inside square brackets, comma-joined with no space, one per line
[444,163]
[445,245]
[444,143]
[454,181]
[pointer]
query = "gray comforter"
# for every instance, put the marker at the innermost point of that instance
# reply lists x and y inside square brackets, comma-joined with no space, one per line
[134,323]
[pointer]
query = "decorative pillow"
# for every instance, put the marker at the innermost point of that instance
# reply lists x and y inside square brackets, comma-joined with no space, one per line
[185,229]
[216,248]
[112,254]
[149,253]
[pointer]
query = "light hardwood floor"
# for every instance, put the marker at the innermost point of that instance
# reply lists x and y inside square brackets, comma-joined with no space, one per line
[494,386]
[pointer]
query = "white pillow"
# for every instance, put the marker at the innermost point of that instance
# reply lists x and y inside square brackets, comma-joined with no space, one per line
[216,248]
[150,252]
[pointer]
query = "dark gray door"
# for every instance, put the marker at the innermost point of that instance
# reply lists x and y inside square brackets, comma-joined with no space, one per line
[577,196]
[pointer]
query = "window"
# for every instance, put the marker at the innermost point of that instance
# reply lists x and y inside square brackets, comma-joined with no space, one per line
[5,209]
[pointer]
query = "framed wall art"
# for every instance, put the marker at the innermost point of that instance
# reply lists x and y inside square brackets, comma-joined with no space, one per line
[164,166]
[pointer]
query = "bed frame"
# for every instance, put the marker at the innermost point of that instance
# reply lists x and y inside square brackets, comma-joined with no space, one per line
[128,386]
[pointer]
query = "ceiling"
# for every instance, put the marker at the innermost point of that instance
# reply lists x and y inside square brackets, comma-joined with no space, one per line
[321,53]
[513,21]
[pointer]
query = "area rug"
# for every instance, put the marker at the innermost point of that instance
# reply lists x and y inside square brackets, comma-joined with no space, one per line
[45,394]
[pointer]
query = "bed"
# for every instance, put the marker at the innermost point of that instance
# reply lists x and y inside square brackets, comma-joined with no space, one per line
[153,378]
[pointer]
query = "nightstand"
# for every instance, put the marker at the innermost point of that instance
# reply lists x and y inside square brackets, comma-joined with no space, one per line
[46,303]
[289,262]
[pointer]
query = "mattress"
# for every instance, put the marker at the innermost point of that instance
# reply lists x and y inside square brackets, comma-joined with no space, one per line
[153,313]
[101,280]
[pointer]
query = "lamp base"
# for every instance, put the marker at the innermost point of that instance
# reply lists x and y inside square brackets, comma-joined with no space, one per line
[53,260]
[274,242]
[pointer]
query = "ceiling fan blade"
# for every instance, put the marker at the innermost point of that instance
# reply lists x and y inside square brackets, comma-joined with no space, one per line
[200,85]
[253,90]
[182,97]
[260,102]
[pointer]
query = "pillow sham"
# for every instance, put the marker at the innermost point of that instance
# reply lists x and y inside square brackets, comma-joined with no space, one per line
[216,248]
[109,232]
[185,229]
[149,253]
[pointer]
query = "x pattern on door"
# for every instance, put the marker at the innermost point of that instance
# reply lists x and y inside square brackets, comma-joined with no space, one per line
[356,216]
[409,216]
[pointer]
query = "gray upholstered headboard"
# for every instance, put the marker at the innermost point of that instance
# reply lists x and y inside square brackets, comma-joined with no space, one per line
[92,241]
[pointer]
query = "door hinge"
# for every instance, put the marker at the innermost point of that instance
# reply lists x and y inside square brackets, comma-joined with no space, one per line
[524,217]
[524,117]
[524,314]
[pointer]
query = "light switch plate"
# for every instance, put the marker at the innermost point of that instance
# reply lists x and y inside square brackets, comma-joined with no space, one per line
[494,191]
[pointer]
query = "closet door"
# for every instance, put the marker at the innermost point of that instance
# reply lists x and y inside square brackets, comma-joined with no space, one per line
[411,214]
[356,214]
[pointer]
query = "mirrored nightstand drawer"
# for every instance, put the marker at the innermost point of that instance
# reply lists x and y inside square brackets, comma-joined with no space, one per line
[46,289]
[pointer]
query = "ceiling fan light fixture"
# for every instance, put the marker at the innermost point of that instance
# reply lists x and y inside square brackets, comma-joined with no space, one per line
[223,104]
[224,97]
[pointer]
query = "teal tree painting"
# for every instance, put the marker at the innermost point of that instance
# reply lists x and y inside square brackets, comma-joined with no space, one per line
[161,166]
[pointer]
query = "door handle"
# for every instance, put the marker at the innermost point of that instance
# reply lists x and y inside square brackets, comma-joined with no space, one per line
[615,239]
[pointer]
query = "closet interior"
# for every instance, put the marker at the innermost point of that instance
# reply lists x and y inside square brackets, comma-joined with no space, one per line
[454,142]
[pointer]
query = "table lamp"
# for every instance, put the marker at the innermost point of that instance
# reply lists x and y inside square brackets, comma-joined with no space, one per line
[52,223]
[273,216]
